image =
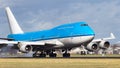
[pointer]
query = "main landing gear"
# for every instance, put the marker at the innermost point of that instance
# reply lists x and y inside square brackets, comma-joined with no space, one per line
[40,54]
[51,53]
[66,54]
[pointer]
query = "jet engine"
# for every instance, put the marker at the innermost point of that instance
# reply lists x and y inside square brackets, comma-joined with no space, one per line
[23,47]
[104,44]
[92,46]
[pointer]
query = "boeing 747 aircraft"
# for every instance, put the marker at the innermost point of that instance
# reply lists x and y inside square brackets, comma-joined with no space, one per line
[46,42]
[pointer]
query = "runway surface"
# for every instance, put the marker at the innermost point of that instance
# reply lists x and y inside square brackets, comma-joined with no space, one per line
[73,56]
[61,58]
[73,62]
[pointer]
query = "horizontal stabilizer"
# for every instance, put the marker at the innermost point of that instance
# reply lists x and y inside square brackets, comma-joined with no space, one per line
[9,39]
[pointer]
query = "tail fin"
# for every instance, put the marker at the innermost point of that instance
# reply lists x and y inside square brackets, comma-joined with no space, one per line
[14,26]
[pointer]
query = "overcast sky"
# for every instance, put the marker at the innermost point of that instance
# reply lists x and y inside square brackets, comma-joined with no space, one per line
[102,15]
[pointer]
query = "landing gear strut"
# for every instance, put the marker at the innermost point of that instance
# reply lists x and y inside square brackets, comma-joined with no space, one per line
[66,54]
[38,54]
[52,54]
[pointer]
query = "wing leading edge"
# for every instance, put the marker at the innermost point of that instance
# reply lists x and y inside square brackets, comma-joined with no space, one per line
[105,39]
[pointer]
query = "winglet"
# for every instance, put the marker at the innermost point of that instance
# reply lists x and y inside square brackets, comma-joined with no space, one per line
[108,38]
[112,35]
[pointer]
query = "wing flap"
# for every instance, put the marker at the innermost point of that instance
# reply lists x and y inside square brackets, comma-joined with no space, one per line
[8,42]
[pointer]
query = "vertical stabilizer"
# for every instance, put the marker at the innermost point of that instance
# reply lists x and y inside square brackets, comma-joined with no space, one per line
[14,26]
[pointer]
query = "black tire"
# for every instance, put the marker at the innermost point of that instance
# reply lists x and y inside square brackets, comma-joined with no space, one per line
[35,55]
[52,55]
[66,55]
[42,55]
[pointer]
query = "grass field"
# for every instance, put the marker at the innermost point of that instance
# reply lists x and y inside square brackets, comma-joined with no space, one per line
[58,63]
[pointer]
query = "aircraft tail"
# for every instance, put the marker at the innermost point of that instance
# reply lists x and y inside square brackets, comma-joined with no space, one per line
[14,26]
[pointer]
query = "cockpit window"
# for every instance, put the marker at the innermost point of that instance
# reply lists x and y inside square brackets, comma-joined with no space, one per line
[84,24]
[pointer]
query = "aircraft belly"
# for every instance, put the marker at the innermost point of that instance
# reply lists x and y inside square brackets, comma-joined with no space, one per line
[68,42]
[76,41]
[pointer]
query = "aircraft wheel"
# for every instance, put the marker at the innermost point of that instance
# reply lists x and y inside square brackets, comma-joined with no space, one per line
[35,55]
[66,55]
[39,54]
[42,55]
[52,55]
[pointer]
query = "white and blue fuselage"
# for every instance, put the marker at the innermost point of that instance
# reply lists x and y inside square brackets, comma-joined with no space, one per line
[64,37]
[69,35]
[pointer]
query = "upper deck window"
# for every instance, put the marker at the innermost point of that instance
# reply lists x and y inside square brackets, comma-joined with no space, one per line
[84,24]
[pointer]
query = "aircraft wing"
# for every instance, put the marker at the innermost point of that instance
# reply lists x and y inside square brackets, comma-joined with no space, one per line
[26,46]
[17,42]
[40,43]
[103,42]
[8,42]
[105,39]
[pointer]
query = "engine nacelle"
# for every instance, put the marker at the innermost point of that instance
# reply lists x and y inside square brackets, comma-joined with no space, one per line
[92,46]
[104,44]
[23,47]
